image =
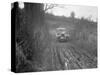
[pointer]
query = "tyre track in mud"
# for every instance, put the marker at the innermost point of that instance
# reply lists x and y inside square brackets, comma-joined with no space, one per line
[69,57]
[86,60]
[62,55]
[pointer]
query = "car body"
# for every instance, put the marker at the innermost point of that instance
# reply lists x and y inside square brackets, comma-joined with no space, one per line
[62,34]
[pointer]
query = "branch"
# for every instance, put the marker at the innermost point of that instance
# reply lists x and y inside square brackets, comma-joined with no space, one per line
[47,6]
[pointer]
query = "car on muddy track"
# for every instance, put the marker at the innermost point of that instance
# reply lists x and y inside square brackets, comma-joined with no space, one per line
[62,35]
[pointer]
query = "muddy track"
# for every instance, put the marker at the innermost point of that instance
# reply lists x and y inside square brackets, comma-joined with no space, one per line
[70,57]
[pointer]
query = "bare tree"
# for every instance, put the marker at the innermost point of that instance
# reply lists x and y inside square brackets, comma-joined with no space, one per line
[89,18]
[72,14]
[49,6]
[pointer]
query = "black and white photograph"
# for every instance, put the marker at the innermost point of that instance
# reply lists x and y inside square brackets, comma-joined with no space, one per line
[53,37]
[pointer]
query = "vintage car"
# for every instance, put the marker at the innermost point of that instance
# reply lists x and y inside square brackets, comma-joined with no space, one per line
[62,34]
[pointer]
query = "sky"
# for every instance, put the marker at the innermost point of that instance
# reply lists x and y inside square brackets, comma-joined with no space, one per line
[65,10]
[80,11]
